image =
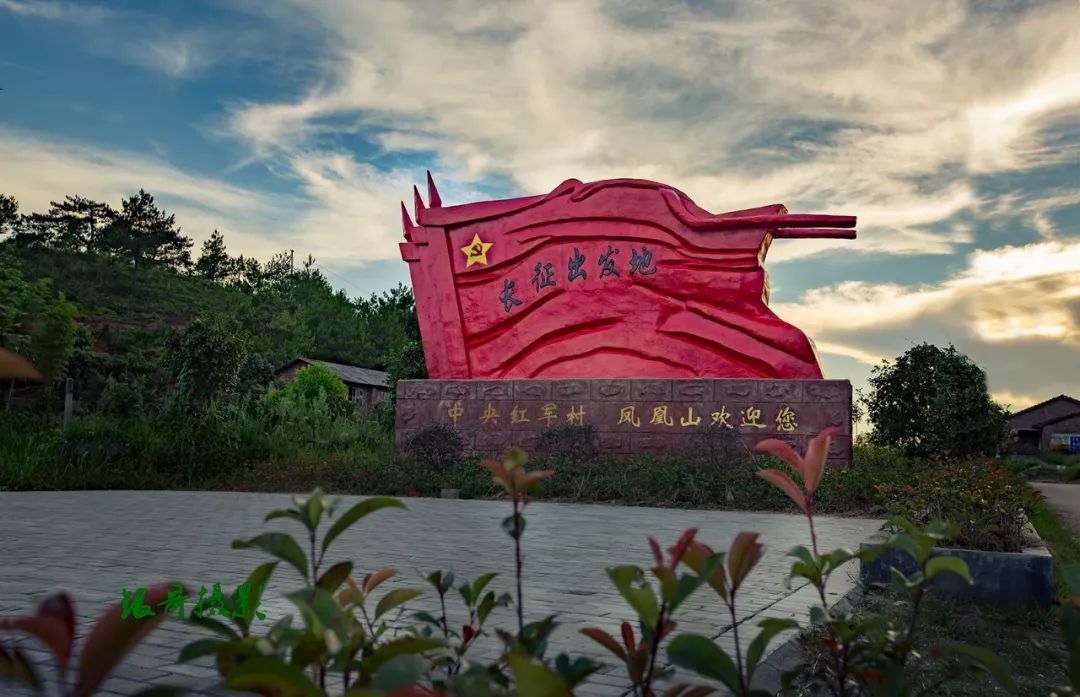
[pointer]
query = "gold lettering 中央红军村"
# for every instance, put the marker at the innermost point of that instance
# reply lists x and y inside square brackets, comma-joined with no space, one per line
[517,415]
[455,411]
[547,413]
[490,416]
[576,417]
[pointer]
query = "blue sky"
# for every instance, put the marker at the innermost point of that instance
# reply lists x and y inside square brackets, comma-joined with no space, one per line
[951,129]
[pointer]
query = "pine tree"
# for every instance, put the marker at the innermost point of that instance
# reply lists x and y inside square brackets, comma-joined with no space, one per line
[214,263]
[143,233]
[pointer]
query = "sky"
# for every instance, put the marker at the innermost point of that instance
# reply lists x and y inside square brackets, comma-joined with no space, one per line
[951,129]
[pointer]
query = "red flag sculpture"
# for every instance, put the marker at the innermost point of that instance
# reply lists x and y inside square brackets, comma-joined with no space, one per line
[612,279]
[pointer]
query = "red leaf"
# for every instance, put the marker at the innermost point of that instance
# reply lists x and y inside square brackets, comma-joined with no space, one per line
[743,556]
[785,484]
[656,552]
[628,636]
[54,625]
[680,546]
[113,638]
[814,462]
[783,451]
[606,640]
[467,633]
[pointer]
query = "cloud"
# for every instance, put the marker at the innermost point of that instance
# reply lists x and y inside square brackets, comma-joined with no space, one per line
[63,11]
[921,95]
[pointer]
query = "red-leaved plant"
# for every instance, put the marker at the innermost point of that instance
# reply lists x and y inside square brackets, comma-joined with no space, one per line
[111,639]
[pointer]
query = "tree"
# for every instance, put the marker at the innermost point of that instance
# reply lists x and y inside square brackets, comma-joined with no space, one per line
[9,213]
[50,332]
[313,379]
[75,224]
[934,402]
[214,263]
[206,358]
[143,233]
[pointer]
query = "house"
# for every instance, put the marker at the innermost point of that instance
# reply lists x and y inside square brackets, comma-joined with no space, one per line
[1050,425]
[366,387]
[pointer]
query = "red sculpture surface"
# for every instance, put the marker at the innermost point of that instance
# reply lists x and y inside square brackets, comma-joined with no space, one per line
[612,279]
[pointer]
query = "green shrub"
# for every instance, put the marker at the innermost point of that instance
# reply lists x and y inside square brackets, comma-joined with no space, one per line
[984,500]
[434,449]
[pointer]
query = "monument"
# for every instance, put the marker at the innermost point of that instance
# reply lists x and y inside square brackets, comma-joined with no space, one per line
[619,304]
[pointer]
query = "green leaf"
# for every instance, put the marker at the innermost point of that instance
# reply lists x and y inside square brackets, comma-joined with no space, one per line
[399,671]
[906,543]
[700,655]
[536,680]
[398,647]
[320,611]
[269,675]
[481,583]
[630,580]
[769,629]
[280,545]
[356,513]
[258,579]
[312,510]
[199,647]
[283,513]
[394,598]
[955,565]
[216,626]
[508,526]
[686,585]
[333,577]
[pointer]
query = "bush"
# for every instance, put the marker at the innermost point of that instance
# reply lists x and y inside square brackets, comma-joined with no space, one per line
[984,500]
[718,447]
[120,398]
[314,380]
[433,450]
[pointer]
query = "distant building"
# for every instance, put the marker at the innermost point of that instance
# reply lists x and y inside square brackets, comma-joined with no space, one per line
[366,387]
[1050,425]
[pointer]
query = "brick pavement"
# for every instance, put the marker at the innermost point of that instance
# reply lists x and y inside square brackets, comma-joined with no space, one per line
[92,544]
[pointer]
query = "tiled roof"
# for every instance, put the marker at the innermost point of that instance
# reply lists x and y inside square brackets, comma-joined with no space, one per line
[350,373]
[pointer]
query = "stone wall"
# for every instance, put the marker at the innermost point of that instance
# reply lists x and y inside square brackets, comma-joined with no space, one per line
[629,416]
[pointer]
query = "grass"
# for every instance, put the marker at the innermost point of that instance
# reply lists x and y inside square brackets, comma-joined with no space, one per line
[1008,633]
[1061,541]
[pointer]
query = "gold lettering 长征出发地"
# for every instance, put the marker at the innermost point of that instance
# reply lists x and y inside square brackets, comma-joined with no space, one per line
[627,416]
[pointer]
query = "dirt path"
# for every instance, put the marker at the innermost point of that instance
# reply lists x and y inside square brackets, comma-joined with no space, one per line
[1064,500]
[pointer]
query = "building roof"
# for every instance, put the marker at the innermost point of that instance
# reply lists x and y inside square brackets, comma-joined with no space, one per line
[348,373]
[1059,419]
[1067,398]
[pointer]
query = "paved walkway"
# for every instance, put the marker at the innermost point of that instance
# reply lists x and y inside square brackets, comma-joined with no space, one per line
[93,544]
[1064,500]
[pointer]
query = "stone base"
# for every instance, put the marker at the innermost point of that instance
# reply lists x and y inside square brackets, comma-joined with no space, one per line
[657,416]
